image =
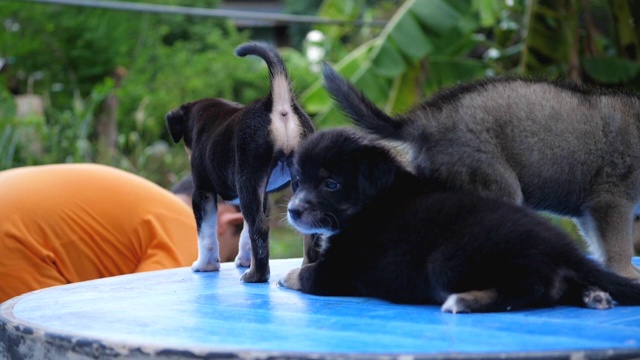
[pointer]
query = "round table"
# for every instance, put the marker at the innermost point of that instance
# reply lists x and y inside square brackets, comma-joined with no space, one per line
[175,314]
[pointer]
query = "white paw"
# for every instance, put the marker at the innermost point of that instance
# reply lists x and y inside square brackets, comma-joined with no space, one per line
[244,248]
[204,266]
[595,298]
[291,280]
[455,304]
[243,260]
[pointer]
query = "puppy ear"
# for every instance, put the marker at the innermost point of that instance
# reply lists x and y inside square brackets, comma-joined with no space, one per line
[175,120]
[377,173]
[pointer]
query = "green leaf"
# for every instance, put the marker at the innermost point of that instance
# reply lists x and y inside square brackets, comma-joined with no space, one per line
[610,70]
[436,15]
[447,72]
[377,88]
[625,29]
[387,69]
[315,99]
[389,61]
[488,11]
[404,92]
[410,38]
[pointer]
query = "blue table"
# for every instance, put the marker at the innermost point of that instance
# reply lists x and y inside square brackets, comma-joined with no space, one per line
[180,314]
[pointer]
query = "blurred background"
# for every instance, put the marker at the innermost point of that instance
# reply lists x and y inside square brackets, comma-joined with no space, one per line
[91,81]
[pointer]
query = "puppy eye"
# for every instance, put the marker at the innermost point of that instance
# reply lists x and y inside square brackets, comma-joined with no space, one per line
[331,185]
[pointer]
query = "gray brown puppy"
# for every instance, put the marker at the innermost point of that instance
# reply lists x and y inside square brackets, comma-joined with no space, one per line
[559,148]
[241,153]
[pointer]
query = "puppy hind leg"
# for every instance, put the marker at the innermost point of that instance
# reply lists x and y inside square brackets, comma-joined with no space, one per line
[497,299]
[607,226]
[469,301]
[244,248]
[206,212]
[253,205]
[636,233]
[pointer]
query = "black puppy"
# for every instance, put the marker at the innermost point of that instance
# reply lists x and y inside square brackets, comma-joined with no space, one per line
[241,153]
[392,235]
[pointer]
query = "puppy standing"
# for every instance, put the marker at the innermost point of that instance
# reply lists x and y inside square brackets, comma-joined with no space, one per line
[392,235]
[241,153]
[557,148]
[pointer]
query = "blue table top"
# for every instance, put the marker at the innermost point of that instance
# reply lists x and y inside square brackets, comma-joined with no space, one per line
[179,313]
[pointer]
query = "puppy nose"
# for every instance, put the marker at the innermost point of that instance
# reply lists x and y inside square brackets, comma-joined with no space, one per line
[295,214]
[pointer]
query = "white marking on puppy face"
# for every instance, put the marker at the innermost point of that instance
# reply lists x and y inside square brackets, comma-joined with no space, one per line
[208,247]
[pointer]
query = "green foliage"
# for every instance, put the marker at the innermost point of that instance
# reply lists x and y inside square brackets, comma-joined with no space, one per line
[161,61]
[392,67]
[151,63]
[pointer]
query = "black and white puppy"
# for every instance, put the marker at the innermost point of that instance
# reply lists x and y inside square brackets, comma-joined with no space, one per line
[557,147]
[241,153]
[392,235]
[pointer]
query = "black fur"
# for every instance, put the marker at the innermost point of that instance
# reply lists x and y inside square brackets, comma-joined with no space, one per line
[234,152]
[395,236]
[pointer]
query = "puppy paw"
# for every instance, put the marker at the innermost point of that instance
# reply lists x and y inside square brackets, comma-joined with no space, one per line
[204,266]
[243,260]
[455,304]
[252,276]
[471,301]
[291,280]
[595,298]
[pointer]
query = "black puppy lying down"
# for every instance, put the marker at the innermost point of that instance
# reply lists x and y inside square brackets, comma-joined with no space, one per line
[391,235]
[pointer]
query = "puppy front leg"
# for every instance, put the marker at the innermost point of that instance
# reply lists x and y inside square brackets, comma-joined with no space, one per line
[206,212]
[319,278]
[291,280]
[311,247]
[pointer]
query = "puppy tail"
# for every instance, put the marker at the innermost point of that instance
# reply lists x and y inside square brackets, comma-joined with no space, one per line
[279,80]
[623,290]
[361,110]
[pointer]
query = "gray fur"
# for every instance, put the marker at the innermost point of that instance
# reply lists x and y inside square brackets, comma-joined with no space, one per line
[559,148]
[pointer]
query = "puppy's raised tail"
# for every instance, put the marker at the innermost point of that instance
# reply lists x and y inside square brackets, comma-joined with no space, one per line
[278,78]
[361,110]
